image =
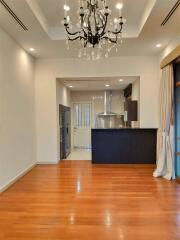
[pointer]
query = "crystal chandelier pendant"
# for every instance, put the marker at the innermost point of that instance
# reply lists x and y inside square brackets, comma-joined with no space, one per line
[92,27]
[67,44]
[80,53]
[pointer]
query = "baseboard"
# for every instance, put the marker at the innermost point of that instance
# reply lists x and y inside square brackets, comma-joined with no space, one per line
[15,179]
[47,163]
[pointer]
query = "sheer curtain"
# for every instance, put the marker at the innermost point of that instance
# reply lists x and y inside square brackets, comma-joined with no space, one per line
[166,135]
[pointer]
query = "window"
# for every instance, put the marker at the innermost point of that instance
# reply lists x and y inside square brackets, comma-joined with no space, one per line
[82,115]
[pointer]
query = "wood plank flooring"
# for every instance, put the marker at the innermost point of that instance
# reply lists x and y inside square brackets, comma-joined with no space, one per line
[79,201]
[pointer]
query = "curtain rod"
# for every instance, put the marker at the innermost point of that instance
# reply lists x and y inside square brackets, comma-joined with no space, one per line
[175,54]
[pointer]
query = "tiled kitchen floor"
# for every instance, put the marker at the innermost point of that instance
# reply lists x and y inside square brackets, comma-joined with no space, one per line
[79,154]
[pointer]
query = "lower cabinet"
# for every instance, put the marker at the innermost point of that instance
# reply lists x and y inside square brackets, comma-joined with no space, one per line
[124,146]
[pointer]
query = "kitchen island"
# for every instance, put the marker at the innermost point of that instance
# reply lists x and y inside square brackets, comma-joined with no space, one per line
[124,146]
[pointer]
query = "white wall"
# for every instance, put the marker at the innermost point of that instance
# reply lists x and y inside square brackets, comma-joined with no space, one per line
[63,97]
[47,70]
[17,111]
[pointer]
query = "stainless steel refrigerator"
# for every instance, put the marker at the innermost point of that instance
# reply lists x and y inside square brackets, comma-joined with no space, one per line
[65,131]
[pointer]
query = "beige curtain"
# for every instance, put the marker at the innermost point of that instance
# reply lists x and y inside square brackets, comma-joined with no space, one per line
[166,134]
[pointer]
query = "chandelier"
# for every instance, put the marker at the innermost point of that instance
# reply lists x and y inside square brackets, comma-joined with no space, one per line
[95,29]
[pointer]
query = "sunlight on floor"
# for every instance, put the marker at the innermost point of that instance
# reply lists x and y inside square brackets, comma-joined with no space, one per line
[79,154]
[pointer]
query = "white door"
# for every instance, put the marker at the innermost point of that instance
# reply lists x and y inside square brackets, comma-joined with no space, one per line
[82,115]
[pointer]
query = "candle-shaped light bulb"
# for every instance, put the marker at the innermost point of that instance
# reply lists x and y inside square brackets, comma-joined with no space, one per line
[115,23]
[119,6]
[66,9]
[81,3]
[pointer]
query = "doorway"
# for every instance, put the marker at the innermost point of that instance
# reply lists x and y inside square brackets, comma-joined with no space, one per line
[82,123]
[65,131]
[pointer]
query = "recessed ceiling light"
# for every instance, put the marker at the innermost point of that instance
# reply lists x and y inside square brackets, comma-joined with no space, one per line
[107,85]
[71,86]
[119,5]
[158,45]
[121,80]
[32,49]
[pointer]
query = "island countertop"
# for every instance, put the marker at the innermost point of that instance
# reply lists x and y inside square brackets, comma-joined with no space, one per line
[123,128]
[124,145]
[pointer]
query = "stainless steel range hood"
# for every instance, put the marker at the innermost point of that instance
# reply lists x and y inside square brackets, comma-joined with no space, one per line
[107,105]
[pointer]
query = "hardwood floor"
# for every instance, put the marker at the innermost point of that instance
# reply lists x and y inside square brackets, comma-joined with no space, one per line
[79,201]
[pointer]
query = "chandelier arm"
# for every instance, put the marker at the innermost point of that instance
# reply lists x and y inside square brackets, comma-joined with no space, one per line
[83,28]
[100,26]
[70,33]
[102,17]
[117,32]
[85,34]
[88,19]
[95,22]
[110,39]
[85,43]
[104,28]
[73,39]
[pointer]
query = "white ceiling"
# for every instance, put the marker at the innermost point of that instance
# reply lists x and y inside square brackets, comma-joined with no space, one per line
[93,84]
[46,34]
[54,12]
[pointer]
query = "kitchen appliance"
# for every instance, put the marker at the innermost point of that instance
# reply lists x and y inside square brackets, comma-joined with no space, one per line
[108,119]
[65,133]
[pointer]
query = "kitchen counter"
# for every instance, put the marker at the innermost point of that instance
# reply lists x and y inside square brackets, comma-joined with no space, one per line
[124,146]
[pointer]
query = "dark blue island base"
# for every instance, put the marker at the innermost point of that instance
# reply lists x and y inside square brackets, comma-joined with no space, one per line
[124,146]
